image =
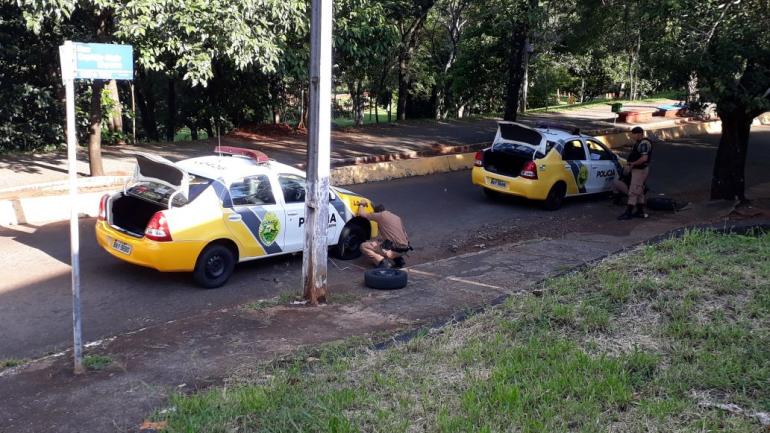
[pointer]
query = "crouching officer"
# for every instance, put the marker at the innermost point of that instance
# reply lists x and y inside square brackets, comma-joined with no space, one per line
[387,250]
[639,166]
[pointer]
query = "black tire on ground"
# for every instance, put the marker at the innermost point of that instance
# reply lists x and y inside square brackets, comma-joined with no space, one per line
[214,266]
[349,245]
[385,279]
[492,194]
[555,196]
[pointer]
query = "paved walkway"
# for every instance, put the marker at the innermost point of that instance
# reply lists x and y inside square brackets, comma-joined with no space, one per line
[407,139]
[201,351]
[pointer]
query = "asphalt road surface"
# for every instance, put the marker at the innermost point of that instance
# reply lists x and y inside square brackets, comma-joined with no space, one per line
[444,214]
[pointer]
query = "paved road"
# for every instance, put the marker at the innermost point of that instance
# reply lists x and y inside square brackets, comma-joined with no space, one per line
[444,213]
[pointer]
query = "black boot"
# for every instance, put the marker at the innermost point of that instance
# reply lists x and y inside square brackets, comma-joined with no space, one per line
[399,262]
[640,213]
[384,264]
[628,214]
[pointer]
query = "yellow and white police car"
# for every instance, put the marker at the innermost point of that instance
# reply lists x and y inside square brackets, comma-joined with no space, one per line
[545,164]
[206,214]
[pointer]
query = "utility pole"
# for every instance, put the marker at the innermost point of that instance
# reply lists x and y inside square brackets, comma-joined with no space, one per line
[317,197]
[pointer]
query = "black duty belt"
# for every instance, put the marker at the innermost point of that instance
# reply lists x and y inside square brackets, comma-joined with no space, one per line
[387,244]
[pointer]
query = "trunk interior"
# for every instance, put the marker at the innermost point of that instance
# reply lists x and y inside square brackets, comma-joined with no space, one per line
[132,214]
[504,163]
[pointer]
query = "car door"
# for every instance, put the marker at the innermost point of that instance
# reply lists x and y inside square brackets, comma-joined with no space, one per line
[293,189]
[575,160]
[602,168]
[256,219]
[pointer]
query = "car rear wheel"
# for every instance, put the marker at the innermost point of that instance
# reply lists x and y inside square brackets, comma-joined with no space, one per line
[555,196]
[349,245]
[214,267]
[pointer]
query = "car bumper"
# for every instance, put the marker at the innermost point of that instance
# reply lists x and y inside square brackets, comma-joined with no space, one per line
[164,256]
[528,188]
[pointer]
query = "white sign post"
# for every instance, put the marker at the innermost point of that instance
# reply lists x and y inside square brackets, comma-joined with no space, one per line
[85,61]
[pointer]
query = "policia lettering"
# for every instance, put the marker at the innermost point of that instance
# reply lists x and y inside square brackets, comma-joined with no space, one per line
[332,220]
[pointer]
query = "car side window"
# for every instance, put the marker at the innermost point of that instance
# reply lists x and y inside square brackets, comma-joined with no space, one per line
[293,188]
[252,190]
[573,151]
[598,152]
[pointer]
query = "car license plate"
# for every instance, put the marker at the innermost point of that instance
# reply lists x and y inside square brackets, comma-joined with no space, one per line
[121,246]
[497,182]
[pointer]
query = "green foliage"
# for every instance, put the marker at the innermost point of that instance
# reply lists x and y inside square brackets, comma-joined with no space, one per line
[96,362]
[30,113]
[531,365]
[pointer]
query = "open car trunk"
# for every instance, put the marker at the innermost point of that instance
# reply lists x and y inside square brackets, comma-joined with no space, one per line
[132,214]
[506,163]
[514,145]
[156,184]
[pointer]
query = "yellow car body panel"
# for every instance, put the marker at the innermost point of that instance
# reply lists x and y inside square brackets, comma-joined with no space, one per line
[351,202]
[550,170]
[163,256]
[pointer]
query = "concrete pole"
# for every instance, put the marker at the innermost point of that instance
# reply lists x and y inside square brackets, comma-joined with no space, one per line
[318,154]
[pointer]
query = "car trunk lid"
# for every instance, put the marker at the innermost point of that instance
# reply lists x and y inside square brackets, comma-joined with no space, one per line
[519,137]
[158,170]
[514,146]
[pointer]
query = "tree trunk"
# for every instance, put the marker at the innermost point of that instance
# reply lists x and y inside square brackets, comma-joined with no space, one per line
[692,87]
[376,111]
[209,129]
[403,87]
[146,101]
[390,106]
[461,111]
[171,100]
[193,129]
[359,104]
[729,182]
[515,75]
[525,80]
[95,130]
[116,115]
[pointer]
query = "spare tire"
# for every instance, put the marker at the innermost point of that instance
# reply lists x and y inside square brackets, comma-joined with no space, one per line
[385,279]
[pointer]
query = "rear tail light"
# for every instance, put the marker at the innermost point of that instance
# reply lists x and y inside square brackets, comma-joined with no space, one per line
[103,207]
[479,159]
[157,229]
[529,171]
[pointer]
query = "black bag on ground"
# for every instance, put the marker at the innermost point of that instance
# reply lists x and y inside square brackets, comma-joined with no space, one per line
[662,203]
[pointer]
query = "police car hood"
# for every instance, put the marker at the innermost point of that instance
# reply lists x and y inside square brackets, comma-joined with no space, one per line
[523,138]
[159,170]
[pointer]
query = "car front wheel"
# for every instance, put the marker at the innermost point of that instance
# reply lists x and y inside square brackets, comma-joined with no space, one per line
[214,267]
[349,245]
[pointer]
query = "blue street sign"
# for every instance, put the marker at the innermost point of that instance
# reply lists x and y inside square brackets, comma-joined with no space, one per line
[104,61]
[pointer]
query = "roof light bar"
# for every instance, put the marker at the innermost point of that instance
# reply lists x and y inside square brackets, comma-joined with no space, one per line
[257,156]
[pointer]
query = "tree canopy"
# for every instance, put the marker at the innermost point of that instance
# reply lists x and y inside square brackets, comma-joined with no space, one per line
[203,65]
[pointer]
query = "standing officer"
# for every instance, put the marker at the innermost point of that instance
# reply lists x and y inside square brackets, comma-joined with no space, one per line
[391,243]
[639,165]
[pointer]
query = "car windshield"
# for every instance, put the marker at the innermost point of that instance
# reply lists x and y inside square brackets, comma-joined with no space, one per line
[160,193]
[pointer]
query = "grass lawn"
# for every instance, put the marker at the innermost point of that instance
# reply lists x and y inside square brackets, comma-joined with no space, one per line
[368,118]
[657,98]
[638,343]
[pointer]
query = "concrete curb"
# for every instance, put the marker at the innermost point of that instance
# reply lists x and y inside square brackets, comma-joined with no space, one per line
[375,168]
[399,168]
